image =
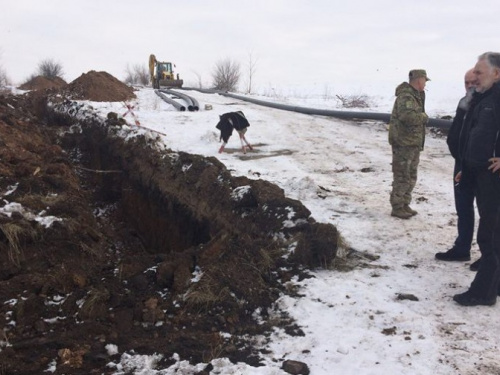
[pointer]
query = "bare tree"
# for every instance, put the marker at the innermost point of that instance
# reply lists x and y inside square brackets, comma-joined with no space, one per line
[50,69]
[129,76]
[142,74]
[138,74]
[252,67]
[4,80]
[226,75]
[199,83]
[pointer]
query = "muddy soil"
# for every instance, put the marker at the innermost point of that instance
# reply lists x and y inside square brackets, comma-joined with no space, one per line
[43,83]
[98,87]
[111,241]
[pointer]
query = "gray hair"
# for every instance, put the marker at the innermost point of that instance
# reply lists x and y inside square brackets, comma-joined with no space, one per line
[493,59]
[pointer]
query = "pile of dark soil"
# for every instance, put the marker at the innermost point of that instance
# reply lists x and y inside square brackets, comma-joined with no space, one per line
[99,87]
[43,83]
[153,251]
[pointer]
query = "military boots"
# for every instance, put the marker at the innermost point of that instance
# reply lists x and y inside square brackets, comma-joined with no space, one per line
[410,210]
[401,213]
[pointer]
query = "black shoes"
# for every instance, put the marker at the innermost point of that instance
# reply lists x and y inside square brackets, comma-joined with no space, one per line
[475,266]
[452,255]
[468,299]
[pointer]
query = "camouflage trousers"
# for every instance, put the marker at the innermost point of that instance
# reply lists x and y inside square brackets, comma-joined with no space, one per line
[404,169]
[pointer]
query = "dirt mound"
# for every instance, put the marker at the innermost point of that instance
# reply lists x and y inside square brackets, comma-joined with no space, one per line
[111,241]
[43,83]
[99,87]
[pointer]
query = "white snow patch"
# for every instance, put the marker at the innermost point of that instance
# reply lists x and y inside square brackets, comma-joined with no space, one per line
[238,193]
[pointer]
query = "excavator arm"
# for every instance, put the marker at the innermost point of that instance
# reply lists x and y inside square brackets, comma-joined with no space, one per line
[152,63]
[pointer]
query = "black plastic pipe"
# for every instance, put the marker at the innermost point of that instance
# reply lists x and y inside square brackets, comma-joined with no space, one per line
[196,105]
[436,123]
[191,102]
[385,117]
[165,98]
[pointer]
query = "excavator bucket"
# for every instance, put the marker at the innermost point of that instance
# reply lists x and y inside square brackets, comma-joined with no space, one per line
[171,82]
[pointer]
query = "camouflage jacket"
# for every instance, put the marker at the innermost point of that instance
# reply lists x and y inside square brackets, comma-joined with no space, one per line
[408,118]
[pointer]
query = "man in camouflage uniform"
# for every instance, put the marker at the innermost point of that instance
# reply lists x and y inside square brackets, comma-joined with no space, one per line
[407,136]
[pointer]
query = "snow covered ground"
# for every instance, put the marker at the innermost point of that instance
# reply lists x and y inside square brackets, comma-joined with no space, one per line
[354,322]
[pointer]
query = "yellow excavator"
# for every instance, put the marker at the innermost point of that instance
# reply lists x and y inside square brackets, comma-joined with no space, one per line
[161,74]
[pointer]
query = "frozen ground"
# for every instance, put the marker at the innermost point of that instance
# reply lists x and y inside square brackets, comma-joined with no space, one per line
[355,322]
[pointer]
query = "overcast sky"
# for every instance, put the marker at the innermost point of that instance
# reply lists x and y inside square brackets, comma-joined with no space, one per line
[361,46]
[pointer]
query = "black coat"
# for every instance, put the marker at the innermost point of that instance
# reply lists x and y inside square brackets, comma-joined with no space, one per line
[229,121]
[453,138]
[482,128]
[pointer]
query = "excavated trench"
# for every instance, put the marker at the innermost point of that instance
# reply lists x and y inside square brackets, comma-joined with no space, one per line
[161,219]
[177,201]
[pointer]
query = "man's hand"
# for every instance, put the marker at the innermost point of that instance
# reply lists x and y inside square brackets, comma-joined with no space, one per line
[495,164]
[425,118]
[458,177]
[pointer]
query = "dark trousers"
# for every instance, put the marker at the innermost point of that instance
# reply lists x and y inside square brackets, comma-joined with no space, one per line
[487,191]
[464,205]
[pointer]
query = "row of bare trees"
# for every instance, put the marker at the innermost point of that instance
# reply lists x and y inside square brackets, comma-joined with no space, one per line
[226,74]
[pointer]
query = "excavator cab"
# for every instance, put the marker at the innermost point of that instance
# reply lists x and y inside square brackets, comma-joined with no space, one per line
[162,74]
[164,70]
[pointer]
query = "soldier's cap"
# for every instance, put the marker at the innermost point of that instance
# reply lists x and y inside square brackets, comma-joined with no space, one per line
[417,73]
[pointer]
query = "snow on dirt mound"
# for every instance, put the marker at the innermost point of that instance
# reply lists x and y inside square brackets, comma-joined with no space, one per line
[99,87]
[43,83]
[106,239]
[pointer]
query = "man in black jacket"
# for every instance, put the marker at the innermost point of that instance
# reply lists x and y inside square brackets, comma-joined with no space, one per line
[482,147]
[464,194]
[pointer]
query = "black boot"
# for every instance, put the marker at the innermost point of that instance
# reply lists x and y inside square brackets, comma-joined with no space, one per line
[469,299]
[453,255]
[475,266]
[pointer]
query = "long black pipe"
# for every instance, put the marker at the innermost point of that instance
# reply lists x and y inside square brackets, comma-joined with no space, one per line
[191,102]
[433,122]
[175,103]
